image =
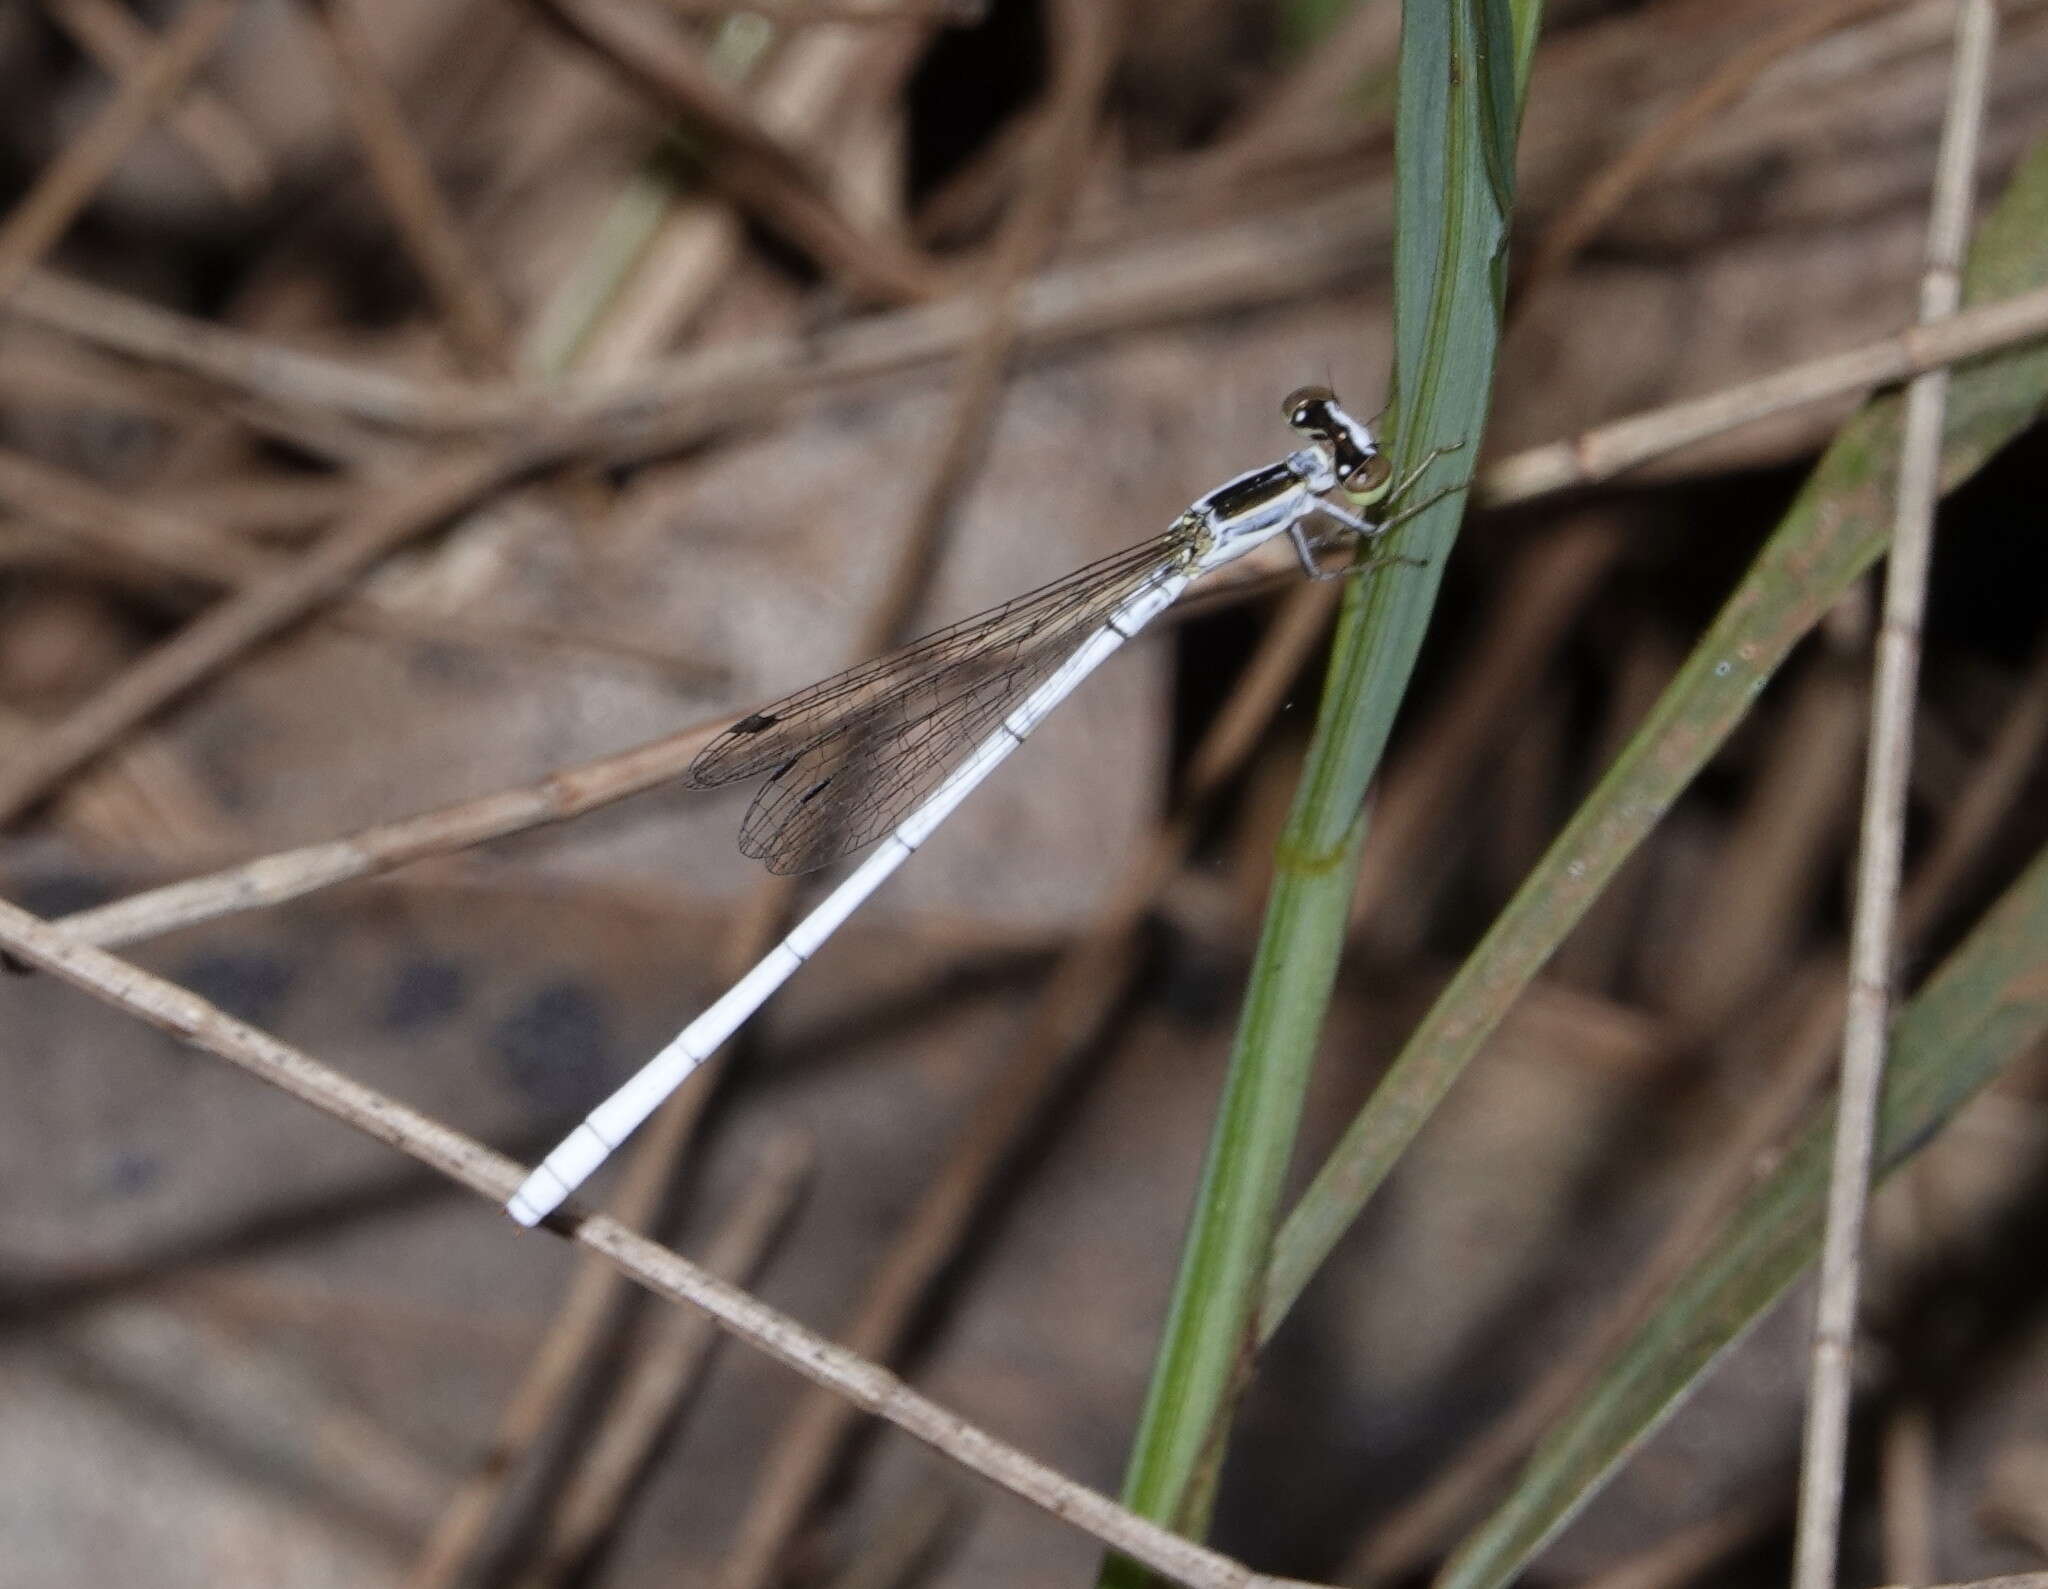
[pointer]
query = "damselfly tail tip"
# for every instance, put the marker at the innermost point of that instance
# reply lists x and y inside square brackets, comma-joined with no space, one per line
[530,1210]
[556,1176]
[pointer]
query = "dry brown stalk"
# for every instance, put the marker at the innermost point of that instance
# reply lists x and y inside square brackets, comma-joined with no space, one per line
[1086,42]
[747,163]
[1595,454]
[1087,51]
[258,367]
[181,543]
[545,644]
[534,1404]
[1418,1528]
[1873,937]
[1535,605]
[494,1177]
[899,1549]
[1688,1554]
[65,188]
[682,401]
[1610,188]
[669,402]
[1787,829]
[801,92]
[673,401]
[876,13]
[1608,450]
[53,374]
[552,1372]
[1079,995]
[2018,1580]
[210,127]
[252,614]
[1249,262]
[290,874]
[476,316]
[1909,1471]
[1302,107]
[285,506]
[663,1372]
[112,523]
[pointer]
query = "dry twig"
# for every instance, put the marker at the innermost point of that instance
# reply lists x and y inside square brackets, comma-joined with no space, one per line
[210,127]
[1594,455]
[254,613]
[1419,1527]
[1612,187]
[654,1155]
[747,163]
[1873,932]
[671,402]
[494,1177]
[1611,449]
[427,228]
[584,1511]
[68,185]
[1084,987]
[867,13]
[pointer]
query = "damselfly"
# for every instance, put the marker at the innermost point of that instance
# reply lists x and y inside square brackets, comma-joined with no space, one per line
[914,732]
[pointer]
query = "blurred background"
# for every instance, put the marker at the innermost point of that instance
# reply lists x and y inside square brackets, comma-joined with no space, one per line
[402,405]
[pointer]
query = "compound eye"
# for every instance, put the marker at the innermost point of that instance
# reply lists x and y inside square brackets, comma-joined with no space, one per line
[1370,478]
[1301,406]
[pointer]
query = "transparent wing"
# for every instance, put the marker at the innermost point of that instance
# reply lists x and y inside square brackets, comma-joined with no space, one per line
[848,757]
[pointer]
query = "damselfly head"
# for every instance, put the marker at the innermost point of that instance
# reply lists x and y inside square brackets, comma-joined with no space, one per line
[1362,470]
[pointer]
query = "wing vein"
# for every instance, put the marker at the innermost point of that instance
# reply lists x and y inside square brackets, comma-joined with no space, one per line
[845,759]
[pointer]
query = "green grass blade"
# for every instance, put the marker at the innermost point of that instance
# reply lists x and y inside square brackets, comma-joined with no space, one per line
[1461,77]
[1833,533]
[1986,1007]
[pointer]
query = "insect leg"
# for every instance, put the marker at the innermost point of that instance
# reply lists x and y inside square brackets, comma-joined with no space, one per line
[1306,553]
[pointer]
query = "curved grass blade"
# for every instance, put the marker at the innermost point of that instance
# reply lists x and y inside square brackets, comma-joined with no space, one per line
[1461,69]
[1832,535]
[1984,1008]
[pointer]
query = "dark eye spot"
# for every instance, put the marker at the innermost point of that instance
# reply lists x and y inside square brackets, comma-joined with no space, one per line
[759,723]
[1370,475]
